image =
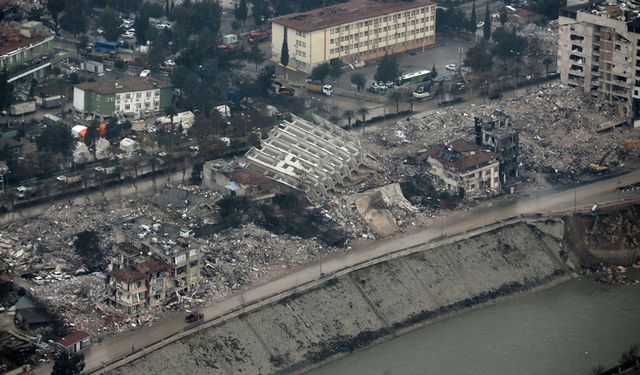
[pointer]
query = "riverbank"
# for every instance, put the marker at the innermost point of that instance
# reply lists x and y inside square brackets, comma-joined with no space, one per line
[367,306]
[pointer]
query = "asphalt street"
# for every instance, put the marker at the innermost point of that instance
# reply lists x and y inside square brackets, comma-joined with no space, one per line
[565,199]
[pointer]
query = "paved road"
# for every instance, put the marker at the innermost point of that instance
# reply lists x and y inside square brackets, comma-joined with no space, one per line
[550,201]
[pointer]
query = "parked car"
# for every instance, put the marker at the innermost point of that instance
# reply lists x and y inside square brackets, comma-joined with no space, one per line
[38,280]
[451,67]
[145,73]
[480,24]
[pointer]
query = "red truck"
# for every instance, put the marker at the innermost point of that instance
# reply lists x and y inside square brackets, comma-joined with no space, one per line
[259,36]
[194,316]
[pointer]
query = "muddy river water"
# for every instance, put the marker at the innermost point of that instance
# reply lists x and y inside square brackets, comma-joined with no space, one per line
[568,329]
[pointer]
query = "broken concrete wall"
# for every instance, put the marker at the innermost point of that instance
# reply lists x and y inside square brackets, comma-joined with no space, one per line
[360,308]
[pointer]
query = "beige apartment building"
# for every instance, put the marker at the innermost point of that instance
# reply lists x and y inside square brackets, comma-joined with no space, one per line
[599,51]
[359,30]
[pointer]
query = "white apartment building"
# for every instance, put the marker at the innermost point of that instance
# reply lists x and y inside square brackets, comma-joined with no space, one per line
[137,97]
[359,30]
[599,49]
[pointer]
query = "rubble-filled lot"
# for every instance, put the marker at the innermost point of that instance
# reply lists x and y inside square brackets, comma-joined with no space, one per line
[557,134]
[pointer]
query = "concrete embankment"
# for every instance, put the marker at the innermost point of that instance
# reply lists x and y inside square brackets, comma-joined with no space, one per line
[365,306]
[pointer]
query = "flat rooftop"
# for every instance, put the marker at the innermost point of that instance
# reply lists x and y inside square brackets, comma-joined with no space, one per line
[11,39]
[124,85]
[339,14]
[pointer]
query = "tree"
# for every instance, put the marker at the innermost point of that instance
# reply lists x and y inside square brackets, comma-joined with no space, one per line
[141,24]
[264,81]
[74,19]
[363,111]
[478,58]
[548,8]
[68,364]
[6,90]
[256,55]
[547,61]
[508,44]
[87,247]
[394,97]
[359,80]
[110,23]
[504,17]
[320,72]
[349,115]
[241,11]
[55,138]
[284,54]
[486,33]
[170,111]
[83,42]
[155,57]
[388,69]
[55,7]
[473,21]
[335,69]
[434,72]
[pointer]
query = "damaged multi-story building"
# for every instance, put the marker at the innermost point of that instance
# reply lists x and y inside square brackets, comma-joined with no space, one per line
[156,261]
[496,133]
[599,51]
[233,178]
[464,169]
[309,157]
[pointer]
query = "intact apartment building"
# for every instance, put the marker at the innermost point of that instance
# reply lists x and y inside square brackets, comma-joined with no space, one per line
[599,49]
[464,169]
[358,30]
[136,97]
[25,52]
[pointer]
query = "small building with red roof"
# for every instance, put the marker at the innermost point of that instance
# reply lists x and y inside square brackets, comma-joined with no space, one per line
[73,342]
[465,169]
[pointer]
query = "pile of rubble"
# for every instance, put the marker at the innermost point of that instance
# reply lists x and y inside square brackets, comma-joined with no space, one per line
[557,128]
[541,41]
[241,256]
[74,300]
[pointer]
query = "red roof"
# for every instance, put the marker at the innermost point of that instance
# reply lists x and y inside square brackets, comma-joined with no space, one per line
[351,11]
[250,177]
[526,13]
[73,338]
[127,275]
[468,155]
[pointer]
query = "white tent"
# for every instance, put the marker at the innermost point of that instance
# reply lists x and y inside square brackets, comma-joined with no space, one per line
[129,146]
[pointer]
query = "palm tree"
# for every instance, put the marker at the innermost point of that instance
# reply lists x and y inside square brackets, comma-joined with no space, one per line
[349,115]
[395,97]
[171,111]
[363,111]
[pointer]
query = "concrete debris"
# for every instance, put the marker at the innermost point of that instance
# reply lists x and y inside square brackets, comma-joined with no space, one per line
[557,128]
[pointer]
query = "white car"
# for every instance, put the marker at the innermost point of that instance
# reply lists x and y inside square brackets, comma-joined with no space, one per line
[480,24]
[38,280]
[57,275]
[451,67]
[169,63]
[128,35]
[99,31]
[145,73]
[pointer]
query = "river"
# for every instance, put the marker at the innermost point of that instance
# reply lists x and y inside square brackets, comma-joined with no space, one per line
[568,329]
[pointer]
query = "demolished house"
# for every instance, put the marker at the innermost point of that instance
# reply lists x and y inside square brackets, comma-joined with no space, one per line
[464,169]
[138,280]
[302,156]
[157,261]
[496,133]
[232,178]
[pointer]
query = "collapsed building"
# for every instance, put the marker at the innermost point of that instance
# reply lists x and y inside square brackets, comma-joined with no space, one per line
[310,157]
[233,178]
[497,134]
[156,261]
[464,169]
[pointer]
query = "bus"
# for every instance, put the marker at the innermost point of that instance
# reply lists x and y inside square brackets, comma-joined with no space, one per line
[104,46]
[414,78]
